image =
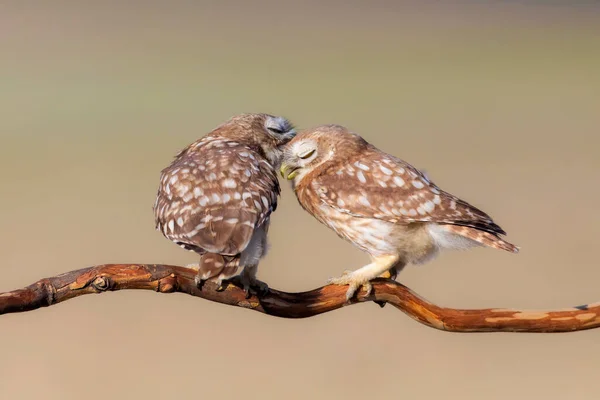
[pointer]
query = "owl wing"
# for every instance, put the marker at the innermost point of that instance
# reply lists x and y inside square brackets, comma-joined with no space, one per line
[213,198]
[378,185]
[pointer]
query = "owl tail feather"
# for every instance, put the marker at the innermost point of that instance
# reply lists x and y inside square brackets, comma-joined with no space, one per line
[484,238]
[218,266]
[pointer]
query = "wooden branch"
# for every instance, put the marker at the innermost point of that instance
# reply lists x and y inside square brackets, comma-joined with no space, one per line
[169,279]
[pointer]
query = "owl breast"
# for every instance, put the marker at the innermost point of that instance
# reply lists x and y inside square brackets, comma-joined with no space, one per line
[412,242]
[370,235]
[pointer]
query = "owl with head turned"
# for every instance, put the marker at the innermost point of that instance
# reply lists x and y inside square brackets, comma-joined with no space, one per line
[381,204]
[217,196]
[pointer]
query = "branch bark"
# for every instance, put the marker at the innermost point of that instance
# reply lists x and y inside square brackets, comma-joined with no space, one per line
[169,279]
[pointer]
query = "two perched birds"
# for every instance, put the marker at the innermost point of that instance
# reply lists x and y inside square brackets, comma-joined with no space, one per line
[217,197]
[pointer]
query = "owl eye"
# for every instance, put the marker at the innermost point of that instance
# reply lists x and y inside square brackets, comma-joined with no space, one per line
[309,153]
[275,130]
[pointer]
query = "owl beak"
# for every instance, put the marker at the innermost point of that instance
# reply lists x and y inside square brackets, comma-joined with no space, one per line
[293,171]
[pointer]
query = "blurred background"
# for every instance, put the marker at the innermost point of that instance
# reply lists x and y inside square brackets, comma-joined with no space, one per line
[498,101]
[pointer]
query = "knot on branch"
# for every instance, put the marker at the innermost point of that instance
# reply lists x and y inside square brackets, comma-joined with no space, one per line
[167,284]
[49,290]
[101,284]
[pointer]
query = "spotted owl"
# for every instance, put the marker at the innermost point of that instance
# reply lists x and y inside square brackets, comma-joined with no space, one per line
[381,204]
[217,196]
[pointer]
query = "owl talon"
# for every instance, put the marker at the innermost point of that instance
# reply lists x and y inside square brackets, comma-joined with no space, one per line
[381,304]
[342,279]
[261,288]
[199,282]
[355,283]
[351,292]
[221,285]
[250,286]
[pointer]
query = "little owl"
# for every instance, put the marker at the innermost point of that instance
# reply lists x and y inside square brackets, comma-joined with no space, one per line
[381,204]
[217,196]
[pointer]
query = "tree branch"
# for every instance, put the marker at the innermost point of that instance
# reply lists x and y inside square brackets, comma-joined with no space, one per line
[169,279]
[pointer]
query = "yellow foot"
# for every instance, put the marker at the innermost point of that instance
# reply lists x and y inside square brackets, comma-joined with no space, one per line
[354,281]
[386,275]
[389,274]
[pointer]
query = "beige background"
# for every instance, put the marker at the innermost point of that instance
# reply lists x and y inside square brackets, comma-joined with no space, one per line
[498,101]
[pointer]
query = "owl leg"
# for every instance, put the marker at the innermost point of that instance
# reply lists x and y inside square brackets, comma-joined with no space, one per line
[362,276]
[247,281]
[224,277]
[217,267]
[249,259]
[391,273]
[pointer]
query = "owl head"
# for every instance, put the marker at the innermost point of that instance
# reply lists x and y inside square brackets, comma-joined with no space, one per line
[318,149]
[266,132]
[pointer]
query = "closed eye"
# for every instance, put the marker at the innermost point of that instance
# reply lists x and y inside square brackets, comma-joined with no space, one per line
[275,130]
[309,153]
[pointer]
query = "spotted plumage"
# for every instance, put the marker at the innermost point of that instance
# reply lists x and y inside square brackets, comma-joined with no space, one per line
[217,196]
[380,203]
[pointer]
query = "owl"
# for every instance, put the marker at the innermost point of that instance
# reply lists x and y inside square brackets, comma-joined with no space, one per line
[217,196]
[381,204]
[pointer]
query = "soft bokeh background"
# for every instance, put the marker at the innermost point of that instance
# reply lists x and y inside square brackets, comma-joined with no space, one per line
[498,101]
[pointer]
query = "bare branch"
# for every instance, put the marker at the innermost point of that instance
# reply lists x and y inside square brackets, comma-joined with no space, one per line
[169,279]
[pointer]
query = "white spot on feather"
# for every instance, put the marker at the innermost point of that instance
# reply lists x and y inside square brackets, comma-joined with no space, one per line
[361,177]
[428,206]
[418,184]
[229,183]
[361,166]
[398,181]
[385,170]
